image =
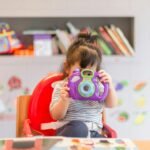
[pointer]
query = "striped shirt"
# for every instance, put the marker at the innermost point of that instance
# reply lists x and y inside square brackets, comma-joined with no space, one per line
[86,111]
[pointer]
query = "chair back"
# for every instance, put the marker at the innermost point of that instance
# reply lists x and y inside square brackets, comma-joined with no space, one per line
[38,111]
[21,113]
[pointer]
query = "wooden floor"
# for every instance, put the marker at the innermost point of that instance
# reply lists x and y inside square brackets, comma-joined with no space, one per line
[143,145]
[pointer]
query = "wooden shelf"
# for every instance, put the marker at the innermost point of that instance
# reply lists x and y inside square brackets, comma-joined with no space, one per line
[37,60]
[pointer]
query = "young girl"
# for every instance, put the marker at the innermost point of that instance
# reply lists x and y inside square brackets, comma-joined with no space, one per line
[78,118]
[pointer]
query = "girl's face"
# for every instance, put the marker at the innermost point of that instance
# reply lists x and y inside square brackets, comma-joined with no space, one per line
[77,66]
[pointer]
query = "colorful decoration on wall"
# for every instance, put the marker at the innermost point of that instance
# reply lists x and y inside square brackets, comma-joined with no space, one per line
[141,102]
[139,118]
[26,91]
[121,85]
[14,83]
[123,116]
[139,86]
[120,102]
[14,87]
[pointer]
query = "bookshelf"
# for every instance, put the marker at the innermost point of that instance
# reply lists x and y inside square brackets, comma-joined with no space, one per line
[19,24]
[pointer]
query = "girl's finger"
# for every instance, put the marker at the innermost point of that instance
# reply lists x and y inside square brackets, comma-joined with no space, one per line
[65,84]
[64,92]
[103,74]
[66,88]
[102,71]
[104,79]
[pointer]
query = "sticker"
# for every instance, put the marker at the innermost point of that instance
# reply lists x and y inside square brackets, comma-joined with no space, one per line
[139,119]
[121,85]
[76,140]
[124,82]
[140,86]
[123,116]
[14,83]
[120,141]
[120,102]
[141,102]
[75,79]
[26,91]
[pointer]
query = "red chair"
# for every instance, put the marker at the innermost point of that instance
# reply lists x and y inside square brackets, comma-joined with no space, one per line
[33,110]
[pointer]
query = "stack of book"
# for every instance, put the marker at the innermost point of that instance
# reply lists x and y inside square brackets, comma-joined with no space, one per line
[112,40]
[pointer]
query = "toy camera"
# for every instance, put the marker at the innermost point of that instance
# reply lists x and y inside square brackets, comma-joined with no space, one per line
[85,85]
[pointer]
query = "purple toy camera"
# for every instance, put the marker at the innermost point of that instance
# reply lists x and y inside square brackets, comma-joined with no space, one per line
[85,85]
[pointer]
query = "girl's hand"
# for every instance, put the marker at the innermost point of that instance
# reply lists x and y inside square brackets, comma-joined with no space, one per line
[111,99]
[105,77]
[64,93]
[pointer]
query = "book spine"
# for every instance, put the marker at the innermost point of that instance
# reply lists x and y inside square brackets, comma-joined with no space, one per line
[120,40]
[105,48]
[116,41]
[109,45]
[73,30]
[63,38]
[109,40]
[61,47]
[126,42]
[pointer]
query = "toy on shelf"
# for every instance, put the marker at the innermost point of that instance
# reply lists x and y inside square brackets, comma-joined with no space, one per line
[42,42]
[85,85]
[8,39]
[29,51]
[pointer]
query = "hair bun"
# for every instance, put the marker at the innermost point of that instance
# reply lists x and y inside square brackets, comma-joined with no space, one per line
[88,37]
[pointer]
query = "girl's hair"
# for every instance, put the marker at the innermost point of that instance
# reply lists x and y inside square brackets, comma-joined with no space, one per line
[85,51]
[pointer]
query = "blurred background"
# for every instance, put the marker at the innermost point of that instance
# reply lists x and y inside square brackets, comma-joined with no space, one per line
[35,35]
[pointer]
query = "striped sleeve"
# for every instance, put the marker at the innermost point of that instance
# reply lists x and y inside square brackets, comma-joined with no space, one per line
[55,95]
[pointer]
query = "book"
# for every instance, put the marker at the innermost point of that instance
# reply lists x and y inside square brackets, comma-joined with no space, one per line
[42,45]
[61,47]
[106,50]
[109,40]
[116,40]
[64,38]
[126,42]
[113,28]
[73,30]
[102,44]
[108,44]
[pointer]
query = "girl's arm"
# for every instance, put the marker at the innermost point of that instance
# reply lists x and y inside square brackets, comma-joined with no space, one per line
[111,99]
[59,109]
